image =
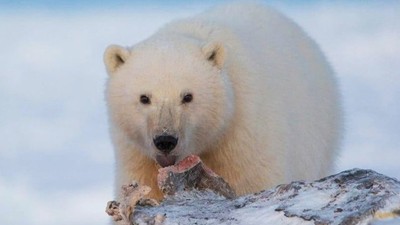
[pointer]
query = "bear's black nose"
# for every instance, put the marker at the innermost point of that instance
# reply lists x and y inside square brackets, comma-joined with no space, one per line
[165,143]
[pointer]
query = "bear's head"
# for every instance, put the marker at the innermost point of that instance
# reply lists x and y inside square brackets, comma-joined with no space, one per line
[169,97]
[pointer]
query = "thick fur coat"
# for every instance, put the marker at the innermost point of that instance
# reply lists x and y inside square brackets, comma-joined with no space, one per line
[263,107]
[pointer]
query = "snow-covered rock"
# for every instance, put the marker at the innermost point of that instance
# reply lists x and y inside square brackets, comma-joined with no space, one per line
[350,197]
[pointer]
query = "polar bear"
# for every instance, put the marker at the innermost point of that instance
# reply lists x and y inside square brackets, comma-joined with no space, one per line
[239,85]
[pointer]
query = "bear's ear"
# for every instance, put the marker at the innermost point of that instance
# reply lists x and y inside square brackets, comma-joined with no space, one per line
[215,53]
[114,57]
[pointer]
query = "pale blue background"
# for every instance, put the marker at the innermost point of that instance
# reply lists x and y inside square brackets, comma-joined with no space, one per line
[56,160]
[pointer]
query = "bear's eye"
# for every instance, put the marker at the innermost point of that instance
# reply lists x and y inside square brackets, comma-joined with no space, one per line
[144,99]
[187,98]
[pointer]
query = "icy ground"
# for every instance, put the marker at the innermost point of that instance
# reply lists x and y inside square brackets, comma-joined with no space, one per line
[350,197]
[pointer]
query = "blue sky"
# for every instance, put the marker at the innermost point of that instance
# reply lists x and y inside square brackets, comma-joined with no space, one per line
[79,5]
[56,158]
[73,5]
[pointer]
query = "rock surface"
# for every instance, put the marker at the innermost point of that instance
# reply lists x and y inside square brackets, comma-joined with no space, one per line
[350,197]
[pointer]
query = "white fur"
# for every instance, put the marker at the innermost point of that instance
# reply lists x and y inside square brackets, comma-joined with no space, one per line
[265,108]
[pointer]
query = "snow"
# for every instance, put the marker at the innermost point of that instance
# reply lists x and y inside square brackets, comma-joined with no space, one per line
[350,197]
[395,221]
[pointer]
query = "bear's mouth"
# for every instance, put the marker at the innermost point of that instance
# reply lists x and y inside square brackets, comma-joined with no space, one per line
[166,160]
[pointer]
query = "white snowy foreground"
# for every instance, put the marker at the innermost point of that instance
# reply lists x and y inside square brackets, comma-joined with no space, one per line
[350,197]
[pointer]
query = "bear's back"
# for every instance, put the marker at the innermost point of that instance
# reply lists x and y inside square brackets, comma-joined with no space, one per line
[287,88]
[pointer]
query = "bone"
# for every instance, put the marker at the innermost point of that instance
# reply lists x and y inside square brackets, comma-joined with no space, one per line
[131,195]
[191,173]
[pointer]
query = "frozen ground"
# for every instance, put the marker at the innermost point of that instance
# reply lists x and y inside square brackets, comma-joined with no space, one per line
[350,197]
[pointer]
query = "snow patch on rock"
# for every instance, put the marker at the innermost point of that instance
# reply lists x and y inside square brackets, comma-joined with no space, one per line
[350,197]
